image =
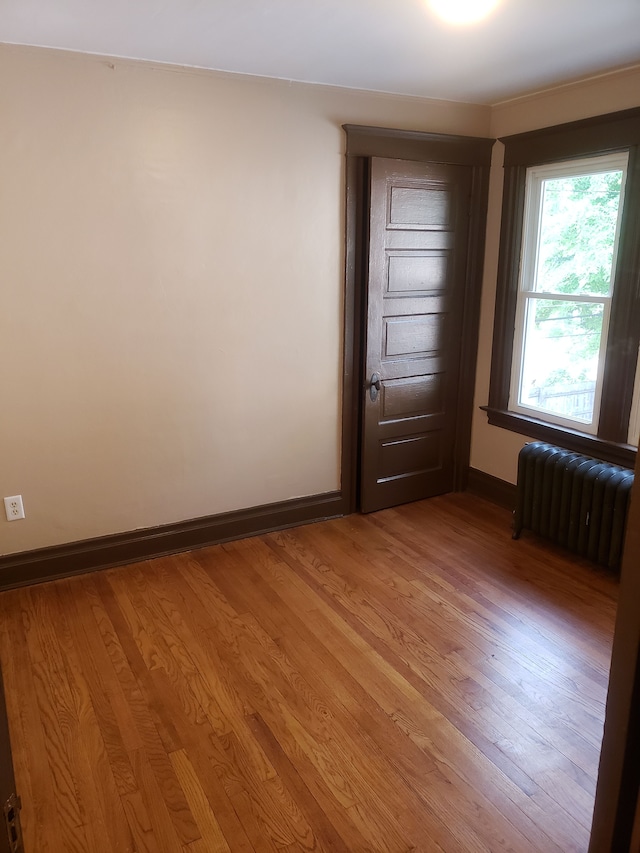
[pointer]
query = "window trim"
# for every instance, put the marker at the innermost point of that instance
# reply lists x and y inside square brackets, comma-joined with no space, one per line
[615,132]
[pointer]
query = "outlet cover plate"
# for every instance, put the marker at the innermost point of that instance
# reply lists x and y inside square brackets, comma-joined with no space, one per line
[13,507]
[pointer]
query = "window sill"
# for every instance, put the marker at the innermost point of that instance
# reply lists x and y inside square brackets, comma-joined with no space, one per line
[580,442]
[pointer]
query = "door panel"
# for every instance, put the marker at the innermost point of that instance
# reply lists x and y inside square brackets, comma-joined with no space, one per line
[409,336]
[412,397]
[423,272]
[418,234]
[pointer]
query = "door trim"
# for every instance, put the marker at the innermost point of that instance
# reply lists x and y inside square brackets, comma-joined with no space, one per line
[362,144]
[10,832]
[615,826]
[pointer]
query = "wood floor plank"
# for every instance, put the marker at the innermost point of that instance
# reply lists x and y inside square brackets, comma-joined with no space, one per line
[302,733]
[164,832]
[217,675]
[486,741]
[276,816]
[98,796]
[466,650]
[311,708]
[58,712]
[212,839]
[380,734]
[306,732]
[552,660]
[99,676]
[411,680]
[340,616]
[418,708]
[156,728]
[34,778]
[325,832]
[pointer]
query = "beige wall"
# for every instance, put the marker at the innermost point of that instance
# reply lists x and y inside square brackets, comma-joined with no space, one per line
[171,258]
[495,450]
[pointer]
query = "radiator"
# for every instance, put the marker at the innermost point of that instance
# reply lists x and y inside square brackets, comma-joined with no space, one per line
[573,500]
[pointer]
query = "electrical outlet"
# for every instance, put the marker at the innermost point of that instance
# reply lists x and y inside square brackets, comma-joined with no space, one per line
[14,508]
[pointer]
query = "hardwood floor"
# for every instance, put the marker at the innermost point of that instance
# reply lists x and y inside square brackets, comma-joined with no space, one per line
[409,680]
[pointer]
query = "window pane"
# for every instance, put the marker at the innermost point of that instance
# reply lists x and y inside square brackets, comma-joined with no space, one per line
[560,357]
[577,235]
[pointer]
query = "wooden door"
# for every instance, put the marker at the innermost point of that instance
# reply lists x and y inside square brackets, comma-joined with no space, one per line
[418,237]
[10,835]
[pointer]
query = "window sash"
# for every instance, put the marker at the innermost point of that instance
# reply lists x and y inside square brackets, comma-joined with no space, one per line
[525,299]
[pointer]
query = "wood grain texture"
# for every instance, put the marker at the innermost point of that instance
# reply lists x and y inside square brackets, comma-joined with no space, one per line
[418,212]
[411,680]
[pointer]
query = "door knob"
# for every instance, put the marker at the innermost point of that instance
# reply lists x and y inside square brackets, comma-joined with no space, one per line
[374,387]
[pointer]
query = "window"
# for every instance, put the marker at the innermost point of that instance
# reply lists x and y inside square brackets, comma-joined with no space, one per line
[569,246]
[567,323]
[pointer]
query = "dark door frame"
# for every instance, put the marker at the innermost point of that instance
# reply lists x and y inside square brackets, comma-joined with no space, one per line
[9,803]
[362,144]
[615,815]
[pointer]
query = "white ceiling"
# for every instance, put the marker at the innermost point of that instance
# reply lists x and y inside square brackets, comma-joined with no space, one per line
[385,45]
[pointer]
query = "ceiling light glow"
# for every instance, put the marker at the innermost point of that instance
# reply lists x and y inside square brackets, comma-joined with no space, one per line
[463,11]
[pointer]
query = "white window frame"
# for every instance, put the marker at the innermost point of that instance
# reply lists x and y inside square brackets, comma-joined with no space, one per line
[535,177]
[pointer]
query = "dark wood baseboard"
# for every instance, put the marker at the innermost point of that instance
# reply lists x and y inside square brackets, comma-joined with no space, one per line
[491,488]
[103,552]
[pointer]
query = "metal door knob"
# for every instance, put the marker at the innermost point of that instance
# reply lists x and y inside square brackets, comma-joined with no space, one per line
[374,387]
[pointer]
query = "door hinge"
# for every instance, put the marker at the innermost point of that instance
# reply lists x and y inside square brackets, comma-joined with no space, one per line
[12,821]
